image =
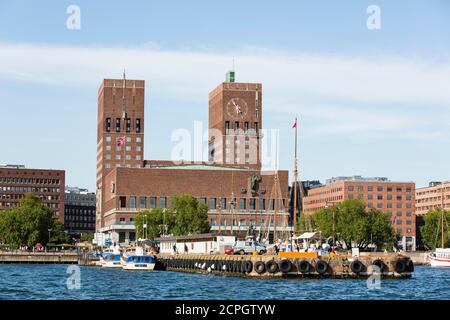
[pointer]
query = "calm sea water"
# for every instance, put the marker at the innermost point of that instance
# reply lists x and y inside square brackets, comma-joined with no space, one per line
[50,282]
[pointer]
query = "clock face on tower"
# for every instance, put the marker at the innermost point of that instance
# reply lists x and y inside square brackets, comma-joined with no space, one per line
[237,108]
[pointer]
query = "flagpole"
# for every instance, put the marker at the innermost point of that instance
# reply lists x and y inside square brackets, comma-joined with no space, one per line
[295,178]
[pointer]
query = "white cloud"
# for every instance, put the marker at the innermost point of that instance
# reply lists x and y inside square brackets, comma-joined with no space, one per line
[288,79]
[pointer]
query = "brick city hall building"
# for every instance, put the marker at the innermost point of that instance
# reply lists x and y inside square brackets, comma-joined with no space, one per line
[232,184]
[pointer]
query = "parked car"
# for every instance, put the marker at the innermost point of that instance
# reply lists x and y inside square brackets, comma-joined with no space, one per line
[248,247]
[229,251]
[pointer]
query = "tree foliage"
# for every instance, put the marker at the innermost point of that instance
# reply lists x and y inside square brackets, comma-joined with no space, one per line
[186,215]
[28,224]
[431,231]
[354,225]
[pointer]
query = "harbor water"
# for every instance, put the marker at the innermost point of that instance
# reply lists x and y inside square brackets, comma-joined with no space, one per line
[20,281]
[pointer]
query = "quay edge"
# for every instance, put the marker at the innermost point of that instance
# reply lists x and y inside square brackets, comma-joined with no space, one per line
[391,265]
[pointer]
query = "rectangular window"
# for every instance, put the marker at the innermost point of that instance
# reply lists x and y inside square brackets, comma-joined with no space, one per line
[370,197]
[108,124]
[255,127]
[369,188]
[389,197]
[162,202]
[223,203]
[143,202]
[245,126]
[252,204]
[138,157]
[128,125]
[108,139]
[389,189]
[262,204]
[380,197]
[242,204]
[212,203]
[379,205]
[138,125]
[236,127]
[408,189]
[380,189]
[117,124]
[350,188]
[227,127]
[133,202]
[152,202]
[271,204]
[138,139]
[123,202]
[138,148]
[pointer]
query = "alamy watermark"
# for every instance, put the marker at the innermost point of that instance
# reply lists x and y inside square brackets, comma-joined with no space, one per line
[73,21]
[374,19]
[237,147]
[74,279]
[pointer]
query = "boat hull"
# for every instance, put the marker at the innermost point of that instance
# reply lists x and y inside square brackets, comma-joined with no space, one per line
[138,266]
[111,264]
[439,262]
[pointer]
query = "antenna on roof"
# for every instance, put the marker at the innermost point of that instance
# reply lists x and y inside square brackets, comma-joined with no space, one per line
[124,111]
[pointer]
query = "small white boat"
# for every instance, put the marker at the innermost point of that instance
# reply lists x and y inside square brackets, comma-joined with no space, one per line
[440,258]
[138,260]
[110,260]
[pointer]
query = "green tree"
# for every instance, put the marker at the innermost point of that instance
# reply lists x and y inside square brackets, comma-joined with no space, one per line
[155,220]
[87,236]
[186,215]
[28,224]
[431,231]
[191,216]
[354,226]
[305,223]
[58,235]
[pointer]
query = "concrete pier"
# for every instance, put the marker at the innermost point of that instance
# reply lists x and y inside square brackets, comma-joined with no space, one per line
[386,265]
[39,258]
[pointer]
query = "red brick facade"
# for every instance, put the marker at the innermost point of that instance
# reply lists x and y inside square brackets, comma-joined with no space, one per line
[48,185]
[395,198]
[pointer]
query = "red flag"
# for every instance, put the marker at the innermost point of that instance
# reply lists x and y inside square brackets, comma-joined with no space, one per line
[120,141]
[295,123]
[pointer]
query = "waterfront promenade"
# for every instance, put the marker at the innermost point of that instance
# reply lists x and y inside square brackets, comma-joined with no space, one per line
[58,257]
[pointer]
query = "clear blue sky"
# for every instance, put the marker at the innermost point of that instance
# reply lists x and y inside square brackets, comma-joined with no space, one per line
[373,103]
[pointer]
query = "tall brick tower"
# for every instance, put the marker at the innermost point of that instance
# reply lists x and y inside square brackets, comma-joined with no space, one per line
[120,131]
[235,122]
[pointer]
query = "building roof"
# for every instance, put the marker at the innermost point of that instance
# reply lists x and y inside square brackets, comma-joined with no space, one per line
[356,178]
[200,236]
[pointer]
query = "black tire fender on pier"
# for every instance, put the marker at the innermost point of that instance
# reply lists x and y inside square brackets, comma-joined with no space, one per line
[400,266]
[272,266]
[260,267]
[247,266]
[380,264]
[357,266]
[304,266]
[321,266]
[285,266]
[410,266]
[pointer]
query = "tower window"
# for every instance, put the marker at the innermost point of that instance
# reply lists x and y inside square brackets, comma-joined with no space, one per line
[245,127]
[128,125]
[117,124]
[236,127]
[138,125]
[255,127]
[108,124]
[227,127]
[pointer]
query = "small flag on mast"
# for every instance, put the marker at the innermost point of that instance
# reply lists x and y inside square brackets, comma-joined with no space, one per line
[295,123]
[120,141]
